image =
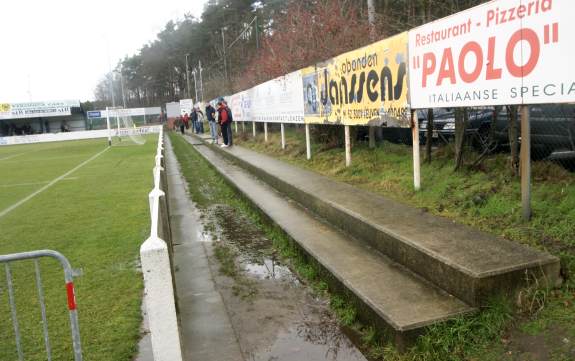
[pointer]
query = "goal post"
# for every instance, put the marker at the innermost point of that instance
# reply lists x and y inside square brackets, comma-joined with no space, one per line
[125,128]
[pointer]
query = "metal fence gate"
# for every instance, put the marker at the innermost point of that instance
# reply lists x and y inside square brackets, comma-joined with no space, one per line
[68,277]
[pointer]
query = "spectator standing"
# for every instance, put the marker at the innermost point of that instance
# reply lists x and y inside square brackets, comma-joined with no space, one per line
[197,120]
[225,119]
[211,115]
[186,120]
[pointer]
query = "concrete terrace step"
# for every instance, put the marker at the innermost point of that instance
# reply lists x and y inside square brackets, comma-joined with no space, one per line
[403,301]
[467,263]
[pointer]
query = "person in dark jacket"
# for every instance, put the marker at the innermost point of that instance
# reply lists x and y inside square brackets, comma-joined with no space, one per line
[225,119]
[197,120]
[211,115]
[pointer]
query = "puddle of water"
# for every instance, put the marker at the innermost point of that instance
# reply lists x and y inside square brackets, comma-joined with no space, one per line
[256,254]
[284,321]
[310,342]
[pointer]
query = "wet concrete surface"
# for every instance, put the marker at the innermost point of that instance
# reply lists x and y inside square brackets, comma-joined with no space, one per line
[273,315]
[281,318]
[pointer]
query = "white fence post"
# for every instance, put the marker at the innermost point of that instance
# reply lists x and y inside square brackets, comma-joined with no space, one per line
[347,146]
[283,136]
[254,128]
[265,132]
[160,305]
[307,142]
[416,161]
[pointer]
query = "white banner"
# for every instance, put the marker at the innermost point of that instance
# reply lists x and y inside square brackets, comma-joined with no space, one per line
[240,104]
[279,100]
[130,112]
[88,134]
[186,106]
[501,52]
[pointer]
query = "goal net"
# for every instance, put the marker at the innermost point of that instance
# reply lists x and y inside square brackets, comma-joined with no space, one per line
[122,128]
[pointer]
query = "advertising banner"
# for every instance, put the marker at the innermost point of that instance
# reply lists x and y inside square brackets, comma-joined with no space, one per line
[240,104]
[37,109]
[367,86]
[278,100]
[186,106]
[501,52]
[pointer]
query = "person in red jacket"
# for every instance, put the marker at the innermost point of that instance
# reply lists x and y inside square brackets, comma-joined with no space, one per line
[186,120]
[225,119]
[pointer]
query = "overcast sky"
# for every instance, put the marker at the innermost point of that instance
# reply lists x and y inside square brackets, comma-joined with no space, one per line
[57,49]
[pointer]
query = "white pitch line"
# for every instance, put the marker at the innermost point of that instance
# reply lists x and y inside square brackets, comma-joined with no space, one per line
[52,182]
[13,156]
[31,183]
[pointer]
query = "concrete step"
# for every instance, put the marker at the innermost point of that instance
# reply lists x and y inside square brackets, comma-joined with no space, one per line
[401,300]
[467,263]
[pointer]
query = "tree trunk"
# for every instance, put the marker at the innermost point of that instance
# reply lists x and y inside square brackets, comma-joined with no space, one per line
[429,135]
[513,138]
[460,125]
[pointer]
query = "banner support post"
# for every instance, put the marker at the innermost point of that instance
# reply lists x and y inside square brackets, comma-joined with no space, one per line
[266,132]
[243,127]
[525,163]
[283,136]
[347,146]
[236,123]
[254,129]
[371,136]
[416,160]
[307,142]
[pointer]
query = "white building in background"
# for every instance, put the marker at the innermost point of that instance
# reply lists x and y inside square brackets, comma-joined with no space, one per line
[41,117]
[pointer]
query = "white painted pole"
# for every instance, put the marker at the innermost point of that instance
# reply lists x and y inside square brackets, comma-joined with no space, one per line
[525,162]
[243,127]
[347,146]
[283,136]
[307,142]
[265,132]
[254,129]
[416,160]
[109,129]
[236,123]
[159,301]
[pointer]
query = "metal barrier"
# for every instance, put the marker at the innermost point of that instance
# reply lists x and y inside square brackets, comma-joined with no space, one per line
[156,254]
[68,277]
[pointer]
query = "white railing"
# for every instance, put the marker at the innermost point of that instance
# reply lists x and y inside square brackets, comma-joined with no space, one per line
[157,267]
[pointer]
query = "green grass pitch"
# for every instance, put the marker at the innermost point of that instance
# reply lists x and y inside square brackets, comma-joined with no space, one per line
[98,217]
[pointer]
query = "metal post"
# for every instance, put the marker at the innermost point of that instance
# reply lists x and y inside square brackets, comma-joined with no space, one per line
[307,142]
[525,163]
[283,136]
[416,161]
[188,76]
[108,125]
[265,132]
[257,34]
[236,124]
[371,19]
[225,61]
[195,84]
[123,94]
[201,81]
[243,127]
[254,128]
[43,310]
[13,311]
[347,146]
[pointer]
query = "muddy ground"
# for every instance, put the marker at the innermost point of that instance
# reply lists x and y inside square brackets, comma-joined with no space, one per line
[274,314]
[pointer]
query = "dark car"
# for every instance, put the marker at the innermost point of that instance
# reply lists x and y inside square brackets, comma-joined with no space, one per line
[552,128]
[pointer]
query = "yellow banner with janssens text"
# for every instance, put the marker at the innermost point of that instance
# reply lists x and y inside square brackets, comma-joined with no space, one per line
[367,86]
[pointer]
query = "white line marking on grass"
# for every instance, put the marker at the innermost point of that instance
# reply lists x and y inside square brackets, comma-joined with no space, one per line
[13,156]
[32,183]
[50,184]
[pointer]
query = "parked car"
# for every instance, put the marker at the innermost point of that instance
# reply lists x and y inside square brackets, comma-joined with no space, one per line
[552,128]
